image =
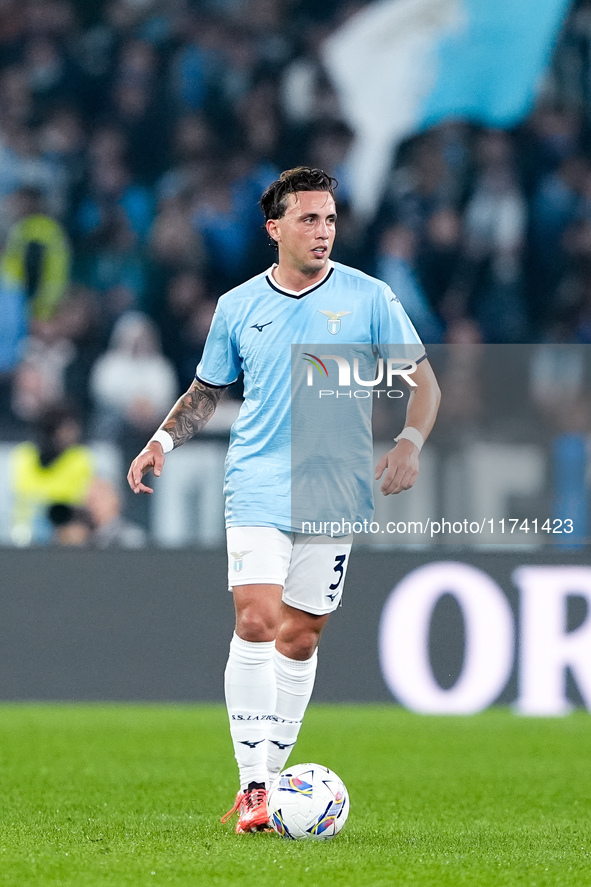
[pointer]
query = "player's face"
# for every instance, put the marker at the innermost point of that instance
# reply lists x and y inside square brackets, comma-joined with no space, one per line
[305,233]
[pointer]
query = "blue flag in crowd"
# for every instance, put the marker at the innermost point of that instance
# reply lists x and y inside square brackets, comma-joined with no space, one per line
[402,65]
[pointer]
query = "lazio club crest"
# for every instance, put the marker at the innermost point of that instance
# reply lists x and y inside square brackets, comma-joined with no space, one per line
[238,559]
[334,320]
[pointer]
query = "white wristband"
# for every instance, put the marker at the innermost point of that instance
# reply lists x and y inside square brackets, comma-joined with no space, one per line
[412,434]
[164,439]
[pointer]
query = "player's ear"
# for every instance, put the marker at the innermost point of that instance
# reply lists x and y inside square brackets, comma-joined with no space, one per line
[273,230]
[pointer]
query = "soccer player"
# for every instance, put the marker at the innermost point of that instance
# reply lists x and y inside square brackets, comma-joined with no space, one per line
[285,584]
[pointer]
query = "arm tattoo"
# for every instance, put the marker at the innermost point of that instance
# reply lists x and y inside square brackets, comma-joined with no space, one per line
[192,412]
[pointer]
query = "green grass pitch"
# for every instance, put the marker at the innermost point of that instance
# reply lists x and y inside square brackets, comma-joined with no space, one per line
[119,795]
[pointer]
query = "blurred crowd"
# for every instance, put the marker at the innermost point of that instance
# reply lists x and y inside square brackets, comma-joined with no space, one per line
[136,137]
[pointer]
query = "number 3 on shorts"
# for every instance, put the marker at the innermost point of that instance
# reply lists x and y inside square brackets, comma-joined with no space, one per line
[339,570]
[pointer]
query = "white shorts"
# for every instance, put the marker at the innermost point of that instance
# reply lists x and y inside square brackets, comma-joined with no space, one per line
[310,569]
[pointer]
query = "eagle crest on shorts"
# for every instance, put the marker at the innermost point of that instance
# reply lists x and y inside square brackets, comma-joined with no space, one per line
[238,559]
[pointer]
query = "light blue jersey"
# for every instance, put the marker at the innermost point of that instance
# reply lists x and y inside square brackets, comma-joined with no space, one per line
[253,330]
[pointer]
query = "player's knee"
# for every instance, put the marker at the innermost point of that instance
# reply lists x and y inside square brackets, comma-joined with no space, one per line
[303,647]
[256,625]
[298,642]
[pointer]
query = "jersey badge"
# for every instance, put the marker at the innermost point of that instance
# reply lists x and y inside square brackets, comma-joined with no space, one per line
[334,320]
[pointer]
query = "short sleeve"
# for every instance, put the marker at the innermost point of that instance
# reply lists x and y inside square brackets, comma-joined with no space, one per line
[220,364]
[393,328]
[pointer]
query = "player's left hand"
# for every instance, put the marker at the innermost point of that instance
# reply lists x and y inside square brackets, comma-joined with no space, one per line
[401,465]
[150,458]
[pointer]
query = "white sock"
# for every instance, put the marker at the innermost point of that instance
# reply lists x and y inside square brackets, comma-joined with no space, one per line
[295,682]
[251,697]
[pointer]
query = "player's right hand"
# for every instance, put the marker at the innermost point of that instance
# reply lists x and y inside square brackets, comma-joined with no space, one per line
[150,458]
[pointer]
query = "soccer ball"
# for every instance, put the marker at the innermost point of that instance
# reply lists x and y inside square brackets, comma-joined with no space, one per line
[308,801]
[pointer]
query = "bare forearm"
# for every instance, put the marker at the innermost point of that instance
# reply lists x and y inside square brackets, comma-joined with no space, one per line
[401,463]
[423,402]
[191,412]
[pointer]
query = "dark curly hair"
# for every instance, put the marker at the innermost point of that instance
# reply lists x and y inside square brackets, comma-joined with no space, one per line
[302,178]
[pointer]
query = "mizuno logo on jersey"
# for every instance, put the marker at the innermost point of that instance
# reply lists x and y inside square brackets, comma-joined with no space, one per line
[260,326]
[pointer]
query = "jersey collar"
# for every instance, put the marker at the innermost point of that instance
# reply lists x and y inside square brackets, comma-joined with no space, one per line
[293,295]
